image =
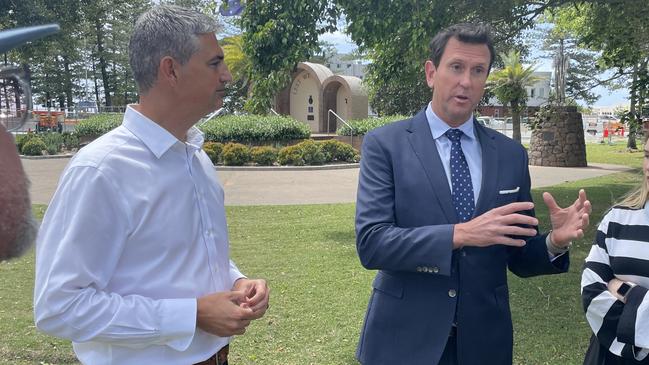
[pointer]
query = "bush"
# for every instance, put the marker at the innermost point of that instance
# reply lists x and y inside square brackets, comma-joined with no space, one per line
[34,147]
[339,151]
[70,140]
[264,156]
[235,154]
[98,125]
[312,152]
[362,126]
[53,141]
[213,150]
[304,153]
[291,155]
[254,129]
[21,139]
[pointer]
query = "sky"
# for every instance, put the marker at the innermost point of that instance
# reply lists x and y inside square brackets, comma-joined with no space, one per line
[344,44]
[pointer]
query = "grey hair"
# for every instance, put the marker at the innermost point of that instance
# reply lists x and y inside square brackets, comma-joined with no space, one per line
[165,30]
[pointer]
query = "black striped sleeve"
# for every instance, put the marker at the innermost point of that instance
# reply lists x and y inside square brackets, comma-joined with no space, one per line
[627,323]
[608,331]
[604,271]
[589,292]
[600,240]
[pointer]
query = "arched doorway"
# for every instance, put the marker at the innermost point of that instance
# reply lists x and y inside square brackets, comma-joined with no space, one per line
[343,95]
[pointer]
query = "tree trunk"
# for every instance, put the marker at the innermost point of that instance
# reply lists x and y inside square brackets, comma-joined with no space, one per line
[102,61]
[68,83]
[516,121]
[630,143]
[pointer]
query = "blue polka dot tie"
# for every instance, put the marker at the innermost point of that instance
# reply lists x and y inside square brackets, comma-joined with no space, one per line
[460,178]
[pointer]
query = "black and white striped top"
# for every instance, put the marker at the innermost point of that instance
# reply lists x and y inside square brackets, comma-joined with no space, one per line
[621,250]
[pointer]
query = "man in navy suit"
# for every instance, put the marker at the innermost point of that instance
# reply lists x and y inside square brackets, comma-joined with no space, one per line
[444,208]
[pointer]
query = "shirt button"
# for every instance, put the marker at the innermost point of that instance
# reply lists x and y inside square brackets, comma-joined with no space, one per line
[452,293]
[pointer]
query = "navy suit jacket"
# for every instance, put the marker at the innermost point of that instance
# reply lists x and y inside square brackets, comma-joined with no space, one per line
[404,228]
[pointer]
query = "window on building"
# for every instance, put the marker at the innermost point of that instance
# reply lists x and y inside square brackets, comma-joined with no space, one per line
[532,92]
[541,92]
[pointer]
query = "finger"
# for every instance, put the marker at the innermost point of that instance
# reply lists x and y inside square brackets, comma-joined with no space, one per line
[582,196]
[262,305]
[508,241]
[514,207]
[585,221]
[588,208]
[237,296]
[521,219]
[549,201]
[519,231]
[259,295]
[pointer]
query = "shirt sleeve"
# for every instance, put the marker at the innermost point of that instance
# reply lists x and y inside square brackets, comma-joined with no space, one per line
[80,243]
[235,274]
[617,326]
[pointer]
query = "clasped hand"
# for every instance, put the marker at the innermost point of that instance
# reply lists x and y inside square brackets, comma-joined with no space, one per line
[229,313]
[503,225]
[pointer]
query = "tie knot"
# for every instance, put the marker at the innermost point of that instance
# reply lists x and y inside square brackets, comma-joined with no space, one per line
[454,135]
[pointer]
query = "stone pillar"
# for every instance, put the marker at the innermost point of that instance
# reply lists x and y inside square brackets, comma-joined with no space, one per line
[558,139]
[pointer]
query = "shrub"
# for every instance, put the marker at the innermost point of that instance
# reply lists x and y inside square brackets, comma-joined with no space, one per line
[213,150]
[235,154]
[338,151]
[312,152]
[34,147]
[70,140]
[362,126]
[97,125]
[254,129]
[264,156]
[21,139]
[53,141]
[291,155]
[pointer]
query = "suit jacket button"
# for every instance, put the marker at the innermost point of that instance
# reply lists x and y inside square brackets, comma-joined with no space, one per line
[452,293]
[435,269]
[418,268]
[424,269]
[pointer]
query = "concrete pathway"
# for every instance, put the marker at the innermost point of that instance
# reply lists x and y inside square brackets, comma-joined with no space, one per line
[279,187]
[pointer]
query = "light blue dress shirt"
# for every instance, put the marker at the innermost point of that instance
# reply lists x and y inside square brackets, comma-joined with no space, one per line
[136,232]
[470,147]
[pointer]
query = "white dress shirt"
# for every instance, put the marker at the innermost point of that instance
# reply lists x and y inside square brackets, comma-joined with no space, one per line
[135,232]
[470,147]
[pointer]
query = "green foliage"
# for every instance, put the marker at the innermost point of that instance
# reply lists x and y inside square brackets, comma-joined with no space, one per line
[213,151]
[34,147]
[97,125]
[291,155]
[277,34]
[235,154]
[304,153]
[254,129]
[21,139]
[264,155]
[362,126]
[336,151]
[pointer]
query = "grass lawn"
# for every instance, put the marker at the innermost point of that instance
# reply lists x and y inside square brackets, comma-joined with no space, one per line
[320,290]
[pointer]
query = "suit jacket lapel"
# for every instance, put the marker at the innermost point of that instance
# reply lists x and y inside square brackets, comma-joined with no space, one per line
[489,188]
[424,147]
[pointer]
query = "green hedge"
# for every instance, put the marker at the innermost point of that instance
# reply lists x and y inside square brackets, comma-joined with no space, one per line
[254,129]
[362,126]
[34,147]
[97,125]
[235,154]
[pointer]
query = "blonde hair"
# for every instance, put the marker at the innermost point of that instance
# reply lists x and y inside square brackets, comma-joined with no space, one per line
[638,197]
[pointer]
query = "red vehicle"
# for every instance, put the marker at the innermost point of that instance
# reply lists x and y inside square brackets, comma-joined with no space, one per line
[49,121]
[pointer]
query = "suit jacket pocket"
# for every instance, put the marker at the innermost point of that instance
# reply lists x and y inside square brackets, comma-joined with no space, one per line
[388,284]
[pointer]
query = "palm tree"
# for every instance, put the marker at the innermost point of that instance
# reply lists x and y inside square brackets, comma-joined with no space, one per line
[239,66]
[508,84]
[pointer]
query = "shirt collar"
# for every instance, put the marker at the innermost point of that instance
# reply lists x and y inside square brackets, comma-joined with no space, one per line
[157,139]
[438,127]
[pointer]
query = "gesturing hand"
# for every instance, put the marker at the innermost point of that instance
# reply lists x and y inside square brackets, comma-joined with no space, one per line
[568,223]
[496,227]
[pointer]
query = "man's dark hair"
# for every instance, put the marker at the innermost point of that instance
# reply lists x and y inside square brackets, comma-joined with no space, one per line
[463,32]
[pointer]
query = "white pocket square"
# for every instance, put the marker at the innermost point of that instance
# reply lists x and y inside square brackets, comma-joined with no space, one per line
[511,191]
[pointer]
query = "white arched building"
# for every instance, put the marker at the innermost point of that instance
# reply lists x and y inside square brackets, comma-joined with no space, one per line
[314,91]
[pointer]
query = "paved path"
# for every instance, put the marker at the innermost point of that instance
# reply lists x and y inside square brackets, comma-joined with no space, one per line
[278,187]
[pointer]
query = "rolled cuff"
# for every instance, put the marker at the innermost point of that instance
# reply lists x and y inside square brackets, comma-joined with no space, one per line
[178,324]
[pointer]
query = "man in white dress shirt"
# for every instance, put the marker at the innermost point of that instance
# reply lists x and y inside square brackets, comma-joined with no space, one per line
[132,261]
